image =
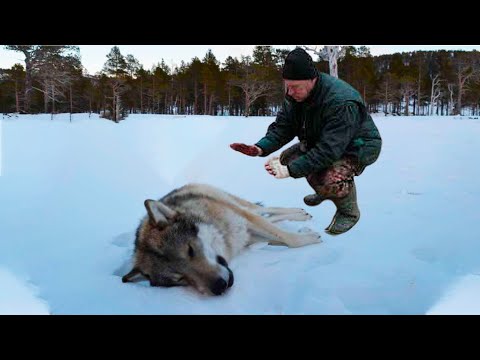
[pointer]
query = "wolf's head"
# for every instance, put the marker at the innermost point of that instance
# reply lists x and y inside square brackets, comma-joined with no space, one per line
[173,249]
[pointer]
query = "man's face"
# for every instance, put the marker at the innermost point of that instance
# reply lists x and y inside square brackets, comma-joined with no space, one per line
[299,89]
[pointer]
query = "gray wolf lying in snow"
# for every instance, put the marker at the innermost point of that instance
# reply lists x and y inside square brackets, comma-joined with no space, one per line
[188,237]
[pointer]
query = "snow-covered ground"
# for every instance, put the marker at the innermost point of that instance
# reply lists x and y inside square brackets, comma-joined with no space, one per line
[71,197]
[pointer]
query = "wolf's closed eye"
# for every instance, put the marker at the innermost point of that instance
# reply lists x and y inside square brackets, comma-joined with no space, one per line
[174,280]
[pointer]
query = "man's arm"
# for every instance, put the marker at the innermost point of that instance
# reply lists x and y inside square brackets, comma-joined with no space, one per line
[279,133]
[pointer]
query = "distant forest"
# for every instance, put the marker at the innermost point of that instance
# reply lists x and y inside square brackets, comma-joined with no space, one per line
[52,80]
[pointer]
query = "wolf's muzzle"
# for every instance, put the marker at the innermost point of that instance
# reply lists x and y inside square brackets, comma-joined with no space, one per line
[219,287]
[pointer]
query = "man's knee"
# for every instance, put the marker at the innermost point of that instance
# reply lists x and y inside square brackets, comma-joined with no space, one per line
[292,153]
[337,190]
[336,181]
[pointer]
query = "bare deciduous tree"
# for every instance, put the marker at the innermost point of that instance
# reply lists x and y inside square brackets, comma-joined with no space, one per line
[386,91]
[117,90]
[252,83]
[15,75]
[55,82]
[407,91]
[330,53]
[451,103]
[435,92]
[35,55]
[419,89]
[466,69]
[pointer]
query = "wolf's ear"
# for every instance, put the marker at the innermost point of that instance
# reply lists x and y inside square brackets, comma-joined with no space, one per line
[130,275]
[159,213]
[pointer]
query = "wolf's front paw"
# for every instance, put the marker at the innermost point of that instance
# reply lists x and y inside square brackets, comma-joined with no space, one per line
[307,215]
[314,237]
[300,216]
[309,238]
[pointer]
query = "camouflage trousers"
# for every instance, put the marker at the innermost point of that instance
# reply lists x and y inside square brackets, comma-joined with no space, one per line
[333,182]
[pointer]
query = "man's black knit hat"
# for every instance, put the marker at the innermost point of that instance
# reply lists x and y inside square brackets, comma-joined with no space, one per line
[299,66]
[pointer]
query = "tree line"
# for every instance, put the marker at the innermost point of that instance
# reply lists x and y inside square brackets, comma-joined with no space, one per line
[53,80]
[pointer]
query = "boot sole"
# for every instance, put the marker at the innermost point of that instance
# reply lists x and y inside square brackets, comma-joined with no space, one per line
[312,204]
[330,232]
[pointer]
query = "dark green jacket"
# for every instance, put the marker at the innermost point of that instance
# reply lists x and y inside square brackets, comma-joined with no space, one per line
[332,122]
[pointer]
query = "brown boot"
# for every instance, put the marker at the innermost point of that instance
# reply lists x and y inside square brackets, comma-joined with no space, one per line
[347,214]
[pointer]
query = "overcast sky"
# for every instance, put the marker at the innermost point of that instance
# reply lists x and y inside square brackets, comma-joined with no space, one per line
[95,56]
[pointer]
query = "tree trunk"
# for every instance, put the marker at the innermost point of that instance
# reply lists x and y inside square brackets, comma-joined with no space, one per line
[210,105]
[28,85]
[71,103]
[332,54]
[17,97]
[141,95]
[153,96]
[419,88]
[118,110]
[386,99]
[165,106]
[53,100]
[450,105]
[333,62]
[205,99]
[229,100]
[45,98]
[195,103]
[114,106]
[458,108]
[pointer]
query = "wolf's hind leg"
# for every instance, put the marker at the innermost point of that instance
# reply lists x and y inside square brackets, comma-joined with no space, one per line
[261,228]
[280,211]
[244,203]
[298,216]
[260,210]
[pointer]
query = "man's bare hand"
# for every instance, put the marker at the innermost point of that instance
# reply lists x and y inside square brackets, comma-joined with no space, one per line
[275,168]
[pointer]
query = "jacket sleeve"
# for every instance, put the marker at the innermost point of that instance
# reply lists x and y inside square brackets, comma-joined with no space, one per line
[279,133]
[341,127]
